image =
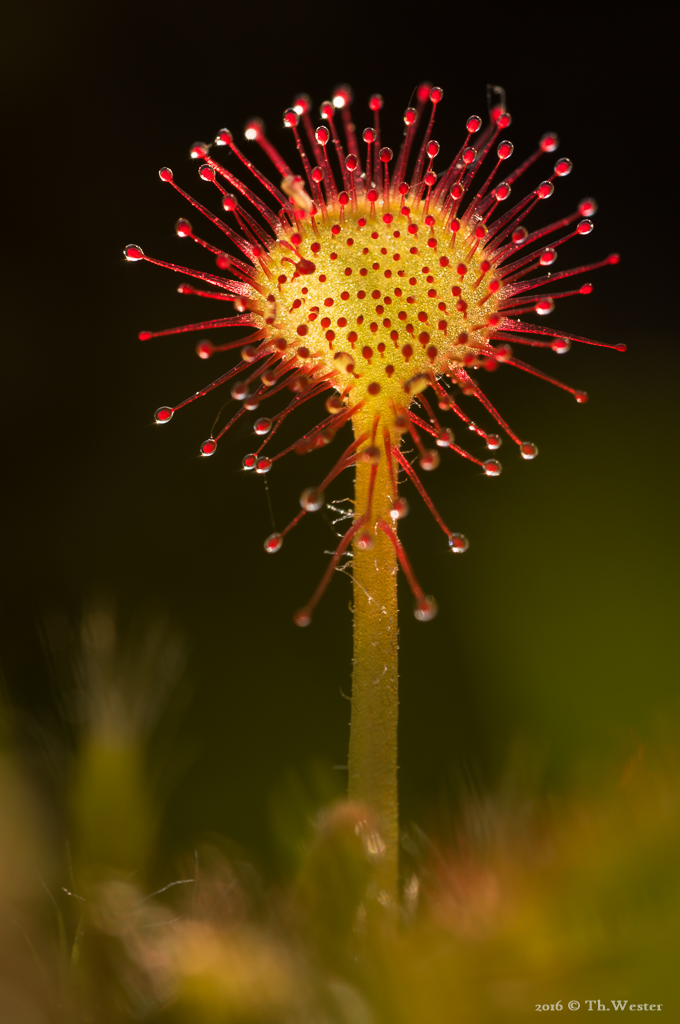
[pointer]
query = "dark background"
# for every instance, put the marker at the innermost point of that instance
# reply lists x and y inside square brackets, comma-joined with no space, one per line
[556,632]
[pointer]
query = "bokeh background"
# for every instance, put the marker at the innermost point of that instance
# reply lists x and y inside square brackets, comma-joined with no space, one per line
[556,643]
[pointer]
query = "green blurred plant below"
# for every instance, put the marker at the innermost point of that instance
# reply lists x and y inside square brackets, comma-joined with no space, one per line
[521,901]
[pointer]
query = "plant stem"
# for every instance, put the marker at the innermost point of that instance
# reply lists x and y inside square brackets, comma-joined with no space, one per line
[373,728]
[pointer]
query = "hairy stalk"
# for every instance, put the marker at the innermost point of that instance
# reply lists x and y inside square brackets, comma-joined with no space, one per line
[373,729]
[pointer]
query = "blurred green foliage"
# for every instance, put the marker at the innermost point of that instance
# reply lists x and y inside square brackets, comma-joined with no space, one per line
[513,899]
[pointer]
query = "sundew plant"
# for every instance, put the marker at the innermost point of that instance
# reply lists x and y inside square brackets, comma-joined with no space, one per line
[381,285]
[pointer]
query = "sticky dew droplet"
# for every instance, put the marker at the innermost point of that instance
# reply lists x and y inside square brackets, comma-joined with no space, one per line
[426,609]
[493,441]
[371,455]
[399,508]
[273,543]
[334,404]
[204,349]
[458,543]
[528,450]
[262,426]
[263,465]
[302,617]
[164,414]
[209,447]
[311,500]
[429,459]
[544,306]
[492,467]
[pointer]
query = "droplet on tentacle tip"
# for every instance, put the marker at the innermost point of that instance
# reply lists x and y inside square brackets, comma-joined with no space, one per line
[425,609]
[302,617]
[164,414]
[493,441]
[273,543]
[311,500]
[249,461]
[262,426]
[253,128]
[204,349]
[371,455]
[458,543]
[587,207]
[263,465]
[334,404]
[223,137]
[492,467]
[133,253]
[302,103]
[429,459]
[209,447]
[365,541]
[528,450]
[399,508]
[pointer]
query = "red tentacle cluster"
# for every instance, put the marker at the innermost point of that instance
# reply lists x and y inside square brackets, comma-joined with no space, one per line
[373,285]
